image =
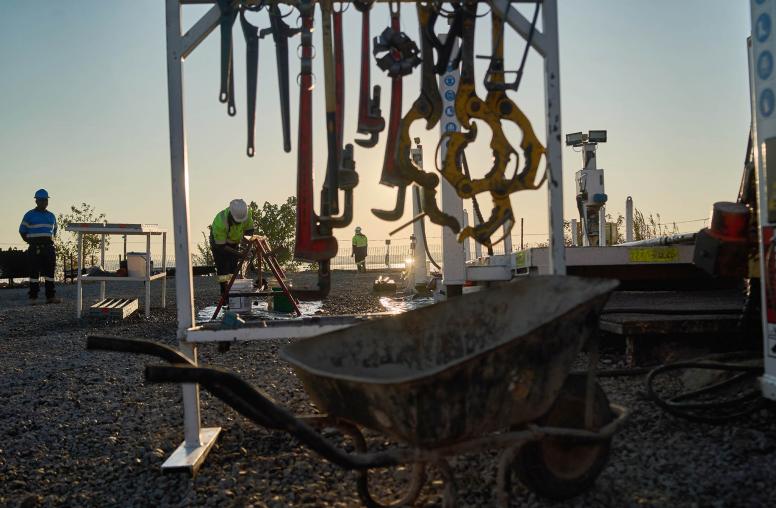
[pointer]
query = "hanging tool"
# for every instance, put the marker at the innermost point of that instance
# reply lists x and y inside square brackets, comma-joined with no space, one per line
[497,100]
[312,244]
[228,17]
[427,106]
[281,32]
[469,106]
[370,118]
[251,34]
[445,49]
[334,91]
[390,174]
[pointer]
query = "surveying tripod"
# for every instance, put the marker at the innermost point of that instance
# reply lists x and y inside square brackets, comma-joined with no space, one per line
[259,246]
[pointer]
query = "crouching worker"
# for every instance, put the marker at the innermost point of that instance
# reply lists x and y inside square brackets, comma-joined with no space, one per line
[38,229]
[227,231]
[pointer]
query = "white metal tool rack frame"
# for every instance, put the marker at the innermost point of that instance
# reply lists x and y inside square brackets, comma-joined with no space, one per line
[198,441]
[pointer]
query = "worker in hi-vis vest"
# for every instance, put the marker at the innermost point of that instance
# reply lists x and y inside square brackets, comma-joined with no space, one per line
[359,250]
[38,229]
[229,228]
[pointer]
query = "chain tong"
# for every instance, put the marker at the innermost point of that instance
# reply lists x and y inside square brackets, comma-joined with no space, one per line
[496,107]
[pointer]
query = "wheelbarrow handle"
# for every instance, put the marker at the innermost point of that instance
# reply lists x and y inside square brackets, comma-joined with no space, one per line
[138,346]
[259,408]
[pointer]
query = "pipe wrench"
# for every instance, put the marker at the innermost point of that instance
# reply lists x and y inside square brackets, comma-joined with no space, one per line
[390,174]
[251,34]
[281,32]
[228,17]
[313,242]
[370,118]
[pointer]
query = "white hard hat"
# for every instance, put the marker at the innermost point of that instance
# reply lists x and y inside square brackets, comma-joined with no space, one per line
[239,210]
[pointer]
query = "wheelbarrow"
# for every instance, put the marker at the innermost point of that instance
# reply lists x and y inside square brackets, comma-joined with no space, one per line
[484,371]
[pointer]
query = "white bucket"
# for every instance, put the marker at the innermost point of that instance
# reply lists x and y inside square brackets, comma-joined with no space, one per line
[240,303]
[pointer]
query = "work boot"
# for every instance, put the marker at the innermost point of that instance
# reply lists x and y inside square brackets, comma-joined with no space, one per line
[53,299]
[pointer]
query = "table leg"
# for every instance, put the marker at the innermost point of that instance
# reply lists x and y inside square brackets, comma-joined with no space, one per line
[148,277]
[102,265]
[164,270]
[78,290]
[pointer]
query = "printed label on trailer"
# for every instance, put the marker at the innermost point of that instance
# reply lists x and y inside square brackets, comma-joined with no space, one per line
[653,255]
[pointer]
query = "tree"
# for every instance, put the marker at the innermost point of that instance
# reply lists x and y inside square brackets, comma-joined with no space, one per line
[278,224]
[204,257]
[66,243]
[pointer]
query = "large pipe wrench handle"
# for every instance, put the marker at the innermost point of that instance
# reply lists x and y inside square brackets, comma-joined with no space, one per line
[251,34]
[281,32]
[370,117]
[310,245]
[228,17]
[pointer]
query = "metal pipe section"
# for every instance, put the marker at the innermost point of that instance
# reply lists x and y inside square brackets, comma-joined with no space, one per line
[602,227]
[629,219]
[662,240]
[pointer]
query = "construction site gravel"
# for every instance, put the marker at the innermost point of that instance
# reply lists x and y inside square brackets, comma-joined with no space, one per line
[82,428]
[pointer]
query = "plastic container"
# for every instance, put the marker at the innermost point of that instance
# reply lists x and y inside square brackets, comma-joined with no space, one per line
[136,264]
[280,302]
[240,303]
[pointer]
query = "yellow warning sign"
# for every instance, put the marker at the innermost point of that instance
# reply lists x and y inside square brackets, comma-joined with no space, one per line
[653,255]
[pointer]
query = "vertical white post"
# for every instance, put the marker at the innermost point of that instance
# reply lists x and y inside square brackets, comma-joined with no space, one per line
[602,227]
[585,231]
[194,449]
[477,245]
[629,219]
[762,47]
[164,270]
[78,287]
[419,268]
[466,247]
[148,276]
[574,232]
[102,265]
[453,264]
[554,148]
[506,228]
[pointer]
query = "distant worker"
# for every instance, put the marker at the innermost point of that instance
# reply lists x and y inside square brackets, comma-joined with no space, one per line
[359,250]
[38,229]
[227,231]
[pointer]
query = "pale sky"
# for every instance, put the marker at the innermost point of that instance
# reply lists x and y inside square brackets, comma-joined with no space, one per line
[83,106]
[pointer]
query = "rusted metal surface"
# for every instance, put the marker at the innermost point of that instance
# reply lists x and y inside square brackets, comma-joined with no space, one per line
[442,374]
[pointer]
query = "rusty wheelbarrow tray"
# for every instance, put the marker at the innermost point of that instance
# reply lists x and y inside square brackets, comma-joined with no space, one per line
[483,371]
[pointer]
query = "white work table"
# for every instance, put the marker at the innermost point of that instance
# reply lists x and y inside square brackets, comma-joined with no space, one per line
[103,230]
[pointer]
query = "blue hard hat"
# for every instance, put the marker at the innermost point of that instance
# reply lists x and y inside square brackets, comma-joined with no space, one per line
[41,194]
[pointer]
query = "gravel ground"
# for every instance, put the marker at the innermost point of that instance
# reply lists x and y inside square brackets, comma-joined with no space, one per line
[81,428]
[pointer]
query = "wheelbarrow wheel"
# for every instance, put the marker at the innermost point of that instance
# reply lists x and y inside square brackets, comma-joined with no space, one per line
[559,468]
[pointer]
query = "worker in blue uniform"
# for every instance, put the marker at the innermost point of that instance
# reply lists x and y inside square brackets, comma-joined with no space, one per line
[38,229]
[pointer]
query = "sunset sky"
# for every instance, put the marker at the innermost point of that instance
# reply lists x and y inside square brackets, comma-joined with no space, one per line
[83,103]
